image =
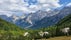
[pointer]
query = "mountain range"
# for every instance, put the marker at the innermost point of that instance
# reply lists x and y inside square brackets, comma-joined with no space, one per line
[39,19]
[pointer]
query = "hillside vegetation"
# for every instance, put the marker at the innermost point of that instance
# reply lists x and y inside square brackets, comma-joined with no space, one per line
[65,22]
[9,31]
[8,26]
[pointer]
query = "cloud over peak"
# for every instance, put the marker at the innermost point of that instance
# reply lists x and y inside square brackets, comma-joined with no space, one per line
[15,6]
[69,4]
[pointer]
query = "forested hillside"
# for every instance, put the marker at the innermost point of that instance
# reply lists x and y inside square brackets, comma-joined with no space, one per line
[65,22]
[9,31]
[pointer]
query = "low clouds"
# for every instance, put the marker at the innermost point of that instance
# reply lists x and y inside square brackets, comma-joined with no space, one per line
[15,6]
[45,5]
[69,4]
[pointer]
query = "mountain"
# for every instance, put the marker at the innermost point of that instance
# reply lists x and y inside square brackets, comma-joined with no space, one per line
[32,18]
[5,18]
[48,21]
[65,22]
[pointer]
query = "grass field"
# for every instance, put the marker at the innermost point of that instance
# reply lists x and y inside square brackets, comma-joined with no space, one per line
[59,38]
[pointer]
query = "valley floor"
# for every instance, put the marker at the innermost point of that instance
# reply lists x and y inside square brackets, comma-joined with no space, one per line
[59,38]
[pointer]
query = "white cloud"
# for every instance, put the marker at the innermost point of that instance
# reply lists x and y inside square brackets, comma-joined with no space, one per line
[2,12]
[69,4]
[53,3]
[19,5]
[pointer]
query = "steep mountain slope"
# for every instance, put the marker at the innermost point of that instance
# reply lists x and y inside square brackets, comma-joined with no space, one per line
[4,17]
[48,21]
[65,22]
[43,18]
[8,26]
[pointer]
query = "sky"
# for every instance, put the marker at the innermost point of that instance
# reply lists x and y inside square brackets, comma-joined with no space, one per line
[20,7]
[63,1]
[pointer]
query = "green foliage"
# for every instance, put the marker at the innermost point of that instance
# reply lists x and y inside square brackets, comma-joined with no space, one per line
[9,31]
[8,26]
